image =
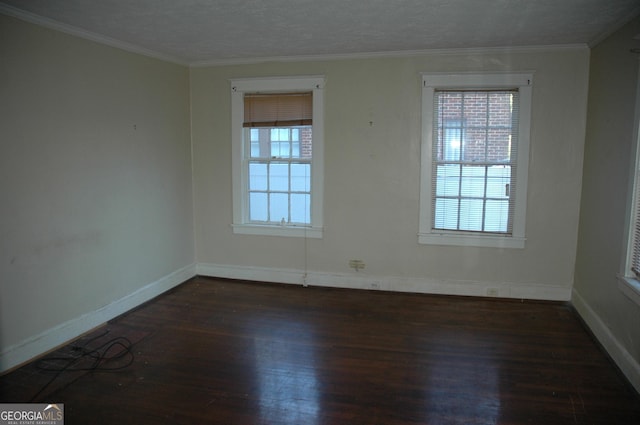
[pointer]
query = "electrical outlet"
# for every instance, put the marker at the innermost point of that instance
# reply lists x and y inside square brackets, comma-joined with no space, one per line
[356,264]
[492,292]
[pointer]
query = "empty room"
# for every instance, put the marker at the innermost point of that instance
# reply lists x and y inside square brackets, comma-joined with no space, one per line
[320,212]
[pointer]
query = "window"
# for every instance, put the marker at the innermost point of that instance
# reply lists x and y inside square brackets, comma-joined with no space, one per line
[629,279]
[277,156]
[475,147]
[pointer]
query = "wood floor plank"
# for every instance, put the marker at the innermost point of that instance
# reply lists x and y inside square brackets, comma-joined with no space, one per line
[229,352]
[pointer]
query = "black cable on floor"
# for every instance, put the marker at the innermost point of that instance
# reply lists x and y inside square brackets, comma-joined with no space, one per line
[99,356]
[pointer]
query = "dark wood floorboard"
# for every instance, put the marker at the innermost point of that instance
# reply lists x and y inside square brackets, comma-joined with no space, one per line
[215,351]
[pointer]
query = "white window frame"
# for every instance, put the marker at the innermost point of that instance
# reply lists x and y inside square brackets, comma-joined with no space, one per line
[240,177]
[628,282]
[431,82]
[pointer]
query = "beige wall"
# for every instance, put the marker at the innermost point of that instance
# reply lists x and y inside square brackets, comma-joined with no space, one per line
[97,198]
[608,168]
[95,180]
[372,179]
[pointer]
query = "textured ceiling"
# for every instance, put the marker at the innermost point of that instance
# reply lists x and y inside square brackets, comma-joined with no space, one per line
[225,31]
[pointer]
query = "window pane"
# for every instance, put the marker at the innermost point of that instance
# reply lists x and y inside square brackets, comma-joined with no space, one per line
[278,146]
[278,207]
[472,183]
[295,148]
[448,180]
[255,135]
[499,145]
[300,177]
[258,206]
[275,149]
[450,105]
[471,214]
[255,149]
[275,134]
[452,143]
[496,216]
[257,176]
[300,208]
[500,108]
[498,177]
[255,142]
[475,109]
[279,176]
[285,149]
[306,142]
[281,142]
[475,143]
[446,214]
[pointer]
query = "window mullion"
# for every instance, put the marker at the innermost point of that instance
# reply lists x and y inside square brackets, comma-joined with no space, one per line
[268,191]
[487,160]
[484,197]
[459,197]
[461,166]
[289,174]
[289,181]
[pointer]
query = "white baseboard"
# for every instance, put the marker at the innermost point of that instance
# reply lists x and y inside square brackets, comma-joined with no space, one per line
[360,280]
[611,344]
[53,337]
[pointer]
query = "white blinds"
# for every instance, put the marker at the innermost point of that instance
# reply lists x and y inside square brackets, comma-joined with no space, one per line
[635,248]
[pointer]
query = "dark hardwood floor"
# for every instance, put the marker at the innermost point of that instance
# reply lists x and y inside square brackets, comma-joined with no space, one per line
[215,351]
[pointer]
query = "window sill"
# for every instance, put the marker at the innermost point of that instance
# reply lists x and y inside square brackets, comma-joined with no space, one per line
[630,287]
[455,239]
[286,231]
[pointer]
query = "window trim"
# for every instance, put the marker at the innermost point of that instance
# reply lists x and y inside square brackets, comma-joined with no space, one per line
[523,81]
[630,287]
[241,224]
[628,282]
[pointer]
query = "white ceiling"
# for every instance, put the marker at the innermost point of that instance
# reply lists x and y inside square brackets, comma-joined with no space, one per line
[228,31]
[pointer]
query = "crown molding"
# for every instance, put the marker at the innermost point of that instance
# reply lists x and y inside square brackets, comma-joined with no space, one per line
[87,35]
[390,54]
